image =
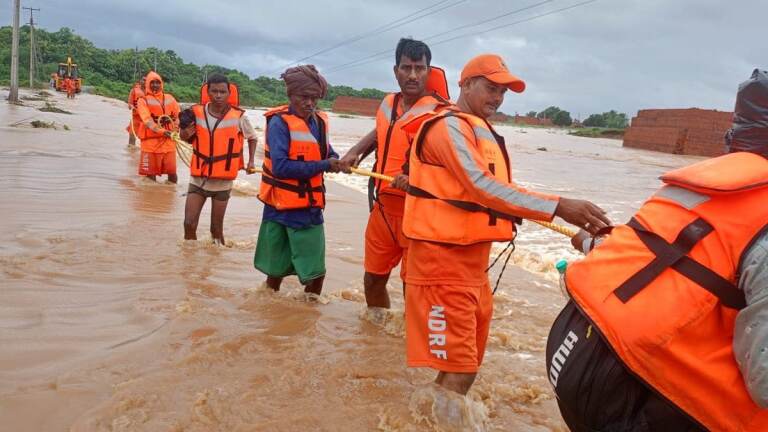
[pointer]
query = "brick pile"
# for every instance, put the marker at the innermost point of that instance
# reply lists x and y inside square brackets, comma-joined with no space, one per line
[356,105]
[691,131]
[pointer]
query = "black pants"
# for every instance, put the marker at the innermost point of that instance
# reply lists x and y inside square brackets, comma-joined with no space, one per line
[595,392]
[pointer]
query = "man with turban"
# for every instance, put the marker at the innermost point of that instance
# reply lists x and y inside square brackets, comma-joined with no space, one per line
[297,153]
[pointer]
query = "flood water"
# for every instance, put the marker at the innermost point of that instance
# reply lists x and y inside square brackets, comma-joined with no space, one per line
[109,321]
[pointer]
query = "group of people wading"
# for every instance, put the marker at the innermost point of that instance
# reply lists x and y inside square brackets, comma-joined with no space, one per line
[664,329]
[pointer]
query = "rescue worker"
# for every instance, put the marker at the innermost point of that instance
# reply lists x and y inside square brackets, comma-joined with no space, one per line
[296,154]
[666,327]
[68,86]
[385,244]
[71,88]
[460,199]
[133,99]
[214,165]
[159,114]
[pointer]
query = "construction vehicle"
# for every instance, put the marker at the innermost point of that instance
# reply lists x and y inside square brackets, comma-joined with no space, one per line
[68,70]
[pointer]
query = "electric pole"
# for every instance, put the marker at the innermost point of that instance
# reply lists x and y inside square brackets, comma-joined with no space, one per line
[31,45]
[13,95]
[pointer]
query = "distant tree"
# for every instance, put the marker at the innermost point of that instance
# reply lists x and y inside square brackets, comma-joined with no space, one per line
[562,118]
[595,120]
[615,120]
[530,114]
[610,119]
[549,113]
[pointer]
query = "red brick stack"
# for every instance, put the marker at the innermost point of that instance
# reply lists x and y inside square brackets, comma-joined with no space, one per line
[691,131]
[356,105]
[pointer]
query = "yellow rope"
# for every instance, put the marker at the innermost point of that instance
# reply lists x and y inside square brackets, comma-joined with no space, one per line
[554,227]
[133,131]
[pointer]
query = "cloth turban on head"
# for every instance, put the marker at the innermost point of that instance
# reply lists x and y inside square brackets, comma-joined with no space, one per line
[306,80]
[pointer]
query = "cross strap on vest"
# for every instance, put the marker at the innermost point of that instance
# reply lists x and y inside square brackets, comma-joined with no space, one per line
[286,194]
[469,206]
[207,156]
[675,255]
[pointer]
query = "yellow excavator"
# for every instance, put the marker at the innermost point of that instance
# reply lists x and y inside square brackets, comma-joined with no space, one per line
[68,70]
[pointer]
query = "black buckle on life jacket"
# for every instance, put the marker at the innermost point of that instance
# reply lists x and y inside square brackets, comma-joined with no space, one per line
[675,255]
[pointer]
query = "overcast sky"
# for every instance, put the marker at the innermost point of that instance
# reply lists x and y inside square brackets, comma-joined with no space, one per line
[609,54]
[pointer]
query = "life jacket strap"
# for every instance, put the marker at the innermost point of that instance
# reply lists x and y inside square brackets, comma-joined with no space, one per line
[675,255]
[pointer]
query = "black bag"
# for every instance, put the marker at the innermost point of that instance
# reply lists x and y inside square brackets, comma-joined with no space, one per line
[750,117]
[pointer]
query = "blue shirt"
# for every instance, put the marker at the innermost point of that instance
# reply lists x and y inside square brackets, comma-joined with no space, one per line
[279,139]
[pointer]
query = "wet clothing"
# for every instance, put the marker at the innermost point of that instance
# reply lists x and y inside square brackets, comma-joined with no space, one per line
[282,251]
[452,146]
[385,243]
[279,139]
[151,163]
[220,195]
[447,326]
[150,108]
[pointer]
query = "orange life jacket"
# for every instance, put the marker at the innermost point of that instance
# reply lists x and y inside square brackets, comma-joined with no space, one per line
[663,288]
[157,108]
[446,212]
[218,147]
[234,95]
[392,141]
[284,193]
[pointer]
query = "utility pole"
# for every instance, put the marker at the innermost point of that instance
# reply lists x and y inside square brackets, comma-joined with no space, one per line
[156,61]
[13,95]
[135,63]
[31,46]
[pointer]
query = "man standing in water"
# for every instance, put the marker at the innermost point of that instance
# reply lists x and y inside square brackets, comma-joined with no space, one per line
[133,100]
[385,245]
[217,136]
[666,328]
[461,198]
[159,113]
[296,154]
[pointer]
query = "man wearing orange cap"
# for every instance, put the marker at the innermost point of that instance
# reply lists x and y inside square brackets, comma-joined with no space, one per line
[461,198]
[422,89]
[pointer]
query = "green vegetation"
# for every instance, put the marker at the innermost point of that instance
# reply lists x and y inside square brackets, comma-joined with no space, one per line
[559,117]
[111,72]
[610,119]
[596,132]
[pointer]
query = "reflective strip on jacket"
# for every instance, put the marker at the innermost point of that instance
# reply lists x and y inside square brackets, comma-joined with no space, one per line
[218,147]
[285,193]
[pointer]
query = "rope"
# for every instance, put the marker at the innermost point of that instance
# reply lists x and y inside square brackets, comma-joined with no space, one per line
[133,131]
[554,227]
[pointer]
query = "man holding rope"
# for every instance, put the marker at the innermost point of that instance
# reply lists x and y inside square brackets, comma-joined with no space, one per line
[159,114]
[385,245]
[296,154]
[460,199]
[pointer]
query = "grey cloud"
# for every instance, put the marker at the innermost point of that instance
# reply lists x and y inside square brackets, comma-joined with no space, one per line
[611,54]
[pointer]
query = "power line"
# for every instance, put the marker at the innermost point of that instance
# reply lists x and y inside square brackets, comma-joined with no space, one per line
[378,56]
[386,52]
[515,22]
[381,29]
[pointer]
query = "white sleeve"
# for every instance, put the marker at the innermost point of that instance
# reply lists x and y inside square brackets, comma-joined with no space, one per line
[247,128]
[750,337]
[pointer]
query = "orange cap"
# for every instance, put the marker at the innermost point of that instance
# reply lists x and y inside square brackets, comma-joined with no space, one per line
[492,67]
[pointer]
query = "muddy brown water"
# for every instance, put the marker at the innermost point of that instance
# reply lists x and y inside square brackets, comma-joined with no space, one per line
[109,321]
